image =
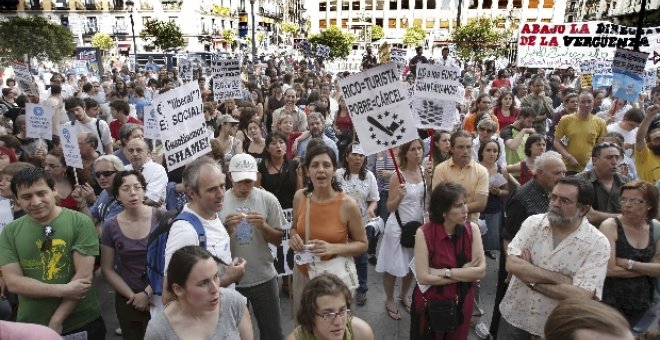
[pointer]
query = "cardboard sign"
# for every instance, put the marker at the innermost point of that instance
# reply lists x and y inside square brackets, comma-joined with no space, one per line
[24,79]
[185,70]
[562,45]
[399,56]
[282,254]
[182,125]
[586,80]
[70,148]
[379,106]
[629,61]
[226,79]
[38,121]
[151,120]
[628,74]
[322,51]
[650,80]
[438,82]
[435,114]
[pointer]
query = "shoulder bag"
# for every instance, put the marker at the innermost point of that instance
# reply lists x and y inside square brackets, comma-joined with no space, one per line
[341,266]
[446,315]
[409,229]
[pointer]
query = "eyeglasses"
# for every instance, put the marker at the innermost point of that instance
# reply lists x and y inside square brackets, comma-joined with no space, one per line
[328,316]
[105,174]
[562,200]
[630,200]
[47,244]
[489,102]
[129,188]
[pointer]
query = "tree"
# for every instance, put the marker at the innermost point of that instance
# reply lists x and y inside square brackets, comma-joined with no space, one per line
[35,37]
[414,36]
[102,41]
[289,28]
[229,35]
[338,41]
[164,35]
[478,39]
[377,33]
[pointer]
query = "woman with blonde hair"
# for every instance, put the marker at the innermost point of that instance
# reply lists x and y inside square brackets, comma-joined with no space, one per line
[583,319]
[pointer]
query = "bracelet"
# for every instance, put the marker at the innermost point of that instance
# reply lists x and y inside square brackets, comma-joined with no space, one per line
[630,264]
[146,293]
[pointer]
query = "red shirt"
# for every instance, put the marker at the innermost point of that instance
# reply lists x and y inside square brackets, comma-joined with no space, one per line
[116,124]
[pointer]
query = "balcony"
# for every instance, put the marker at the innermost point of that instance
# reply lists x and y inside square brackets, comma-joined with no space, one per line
[120,29]
[91,29]
[171,5]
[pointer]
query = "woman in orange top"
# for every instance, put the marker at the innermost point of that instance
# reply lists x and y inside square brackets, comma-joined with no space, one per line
[335,225]
[482,108]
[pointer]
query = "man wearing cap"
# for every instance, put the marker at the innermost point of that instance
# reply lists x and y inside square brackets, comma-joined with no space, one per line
[647,143]
[253,218]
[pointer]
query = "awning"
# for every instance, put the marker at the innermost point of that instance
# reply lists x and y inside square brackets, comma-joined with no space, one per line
[124,47]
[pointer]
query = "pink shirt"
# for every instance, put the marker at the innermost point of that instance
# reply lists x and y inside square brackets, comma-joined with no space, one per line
[26,331]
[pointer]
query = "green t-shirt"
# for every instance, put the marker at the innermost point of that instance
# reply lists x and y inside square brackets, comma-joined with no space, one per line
[20,242]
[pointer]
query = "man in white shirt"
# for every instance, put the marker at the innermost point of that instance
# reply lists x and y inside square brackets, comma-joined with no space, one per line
[137,151]
[627,127]
[76,108]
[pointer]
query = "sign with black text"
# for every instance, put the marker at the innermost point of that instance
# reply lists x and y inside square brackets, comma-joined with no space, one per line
[226,79]
[38,121]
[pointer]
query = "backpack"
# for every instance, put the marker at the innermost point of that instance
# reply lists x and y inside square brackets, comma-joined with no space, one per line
[155,271]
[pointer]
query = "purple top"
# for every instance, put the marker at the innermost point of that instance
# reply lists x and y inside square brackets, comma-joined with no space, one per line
[132,253]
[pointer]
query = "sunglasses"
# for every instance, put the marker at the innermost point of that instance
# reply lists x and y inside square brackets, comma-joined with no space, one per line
[105,174]
[47,244]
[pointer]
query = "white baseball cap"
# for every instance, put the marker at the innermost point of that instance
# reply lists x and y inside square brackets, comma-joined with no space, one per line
[243,167]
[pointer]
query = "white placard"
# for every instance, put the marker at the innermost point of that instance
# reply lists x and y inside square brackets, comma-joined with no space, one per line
[226,79]
[629,61]
[70,148]
[185,70]
[379,106]
[182,125]
[38,121]
[6,214]
[398,56]
[438,82]
[24,78]
[322,51]
[282,254]
[151,120]
[435,114]
[650,80]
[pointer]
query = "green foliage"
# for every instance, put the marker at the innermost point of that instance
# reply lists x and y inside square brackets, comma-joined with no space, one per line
[479,39]
[229,35]
[35,37]
[102,41]
[289,28]
[377,33]
[338,41]
[165,35]
[414,36]
[260,37]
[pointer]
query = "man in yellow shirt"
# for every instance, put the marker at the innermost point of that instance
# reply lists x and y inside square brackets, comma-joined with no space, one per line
[578,133]
[647,143]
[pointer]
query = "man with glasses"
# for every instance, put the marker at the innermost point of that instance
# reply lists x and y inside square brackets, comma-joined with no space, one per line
[137,151]
[47,259]
[578,133]
[555,256]
[606,181]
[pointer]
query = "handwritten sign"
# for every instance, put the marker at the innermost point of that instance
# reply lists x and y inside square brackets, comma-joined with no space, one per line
[630,61]
[70,148]
[182,125]
[185,70]
[600,70]
[398,56]
[282,254]
[586,80]
[38,121]
[151,120]
[379,106]
[438,82]
[226,79]
[628,74]
[322,51]
[650,80]
[563,45]
[24,78]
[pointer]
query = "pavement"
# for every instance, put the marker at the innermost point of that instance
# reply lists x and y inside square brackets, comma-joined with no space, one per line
[373,312]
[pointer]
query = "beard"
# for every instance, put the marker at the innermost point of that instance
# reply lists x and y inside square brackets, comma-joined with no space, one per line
[556,217]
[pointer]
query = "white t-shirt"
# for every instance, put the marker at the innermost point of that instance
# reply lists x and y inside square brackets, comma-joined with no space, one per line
[628,136]
[362,191]
[156,178]
[104,138]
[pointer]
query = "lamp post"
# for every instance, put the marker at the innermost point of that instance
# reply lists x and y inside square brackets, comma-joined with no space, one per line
[251,69]
[129,5]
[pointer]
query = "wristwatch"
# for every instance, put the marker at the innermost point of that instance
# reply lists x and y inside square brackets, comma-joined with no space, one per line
[531,285]
[447,273]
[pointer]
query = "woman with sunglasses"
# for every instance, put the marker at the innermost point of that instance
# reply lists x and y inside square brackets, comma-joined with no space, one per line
[126,236]
[325,312]
[481,110]
[106,205]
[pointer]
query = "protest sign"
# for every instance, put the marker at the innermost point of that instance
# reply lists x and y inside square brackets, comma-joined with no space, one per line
[6,213]
[398,56]
[438,82]
[628,74]
[70,146]
[182,125]
[24,79]
[322,51]
[562,45]
[435,114]
[226,79]
[586,80]
[650,80]
[151,120]
[282,254]
[629,60]
[38,121]
[185,70]
[379,106]
[91,57]
[600,70]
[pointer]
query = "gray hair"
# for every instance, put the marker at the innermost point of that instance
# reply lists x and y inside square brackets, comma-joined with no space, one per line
[191,172]
[126,130]
[487,122]
[540,161]
[112,159]
[316,116]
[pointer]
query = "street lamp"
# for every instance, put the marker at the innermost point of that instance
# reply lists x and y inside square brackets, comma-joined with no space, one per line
[254,45]
[129,5]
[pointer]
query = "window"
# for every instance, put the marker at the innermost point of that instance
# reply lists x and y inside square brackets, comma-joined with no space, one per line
[323,23]
[343,23]
[487,4]
[145,20]
[333,22]
[417,22]
[403,22]
[356,6]
[444,23]
[548,4]
[430,24]
[323,6]
[419,4]
[548,20]
[502,4]
[333,5]
[430,4]
[533,4]
[391,23]
[92,25]
[369,5]
[344,5]
[531,19]
[405,4]
[393,4]
[380,4]
[379,22]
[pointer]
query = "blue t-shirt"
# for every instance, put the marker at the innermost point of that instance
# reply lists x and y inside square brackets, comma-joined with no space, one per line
[106,207]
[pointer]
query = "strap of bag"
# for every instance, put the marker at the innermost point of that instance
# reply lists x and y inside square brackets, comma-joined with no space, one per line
[307,208]
[396,213]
